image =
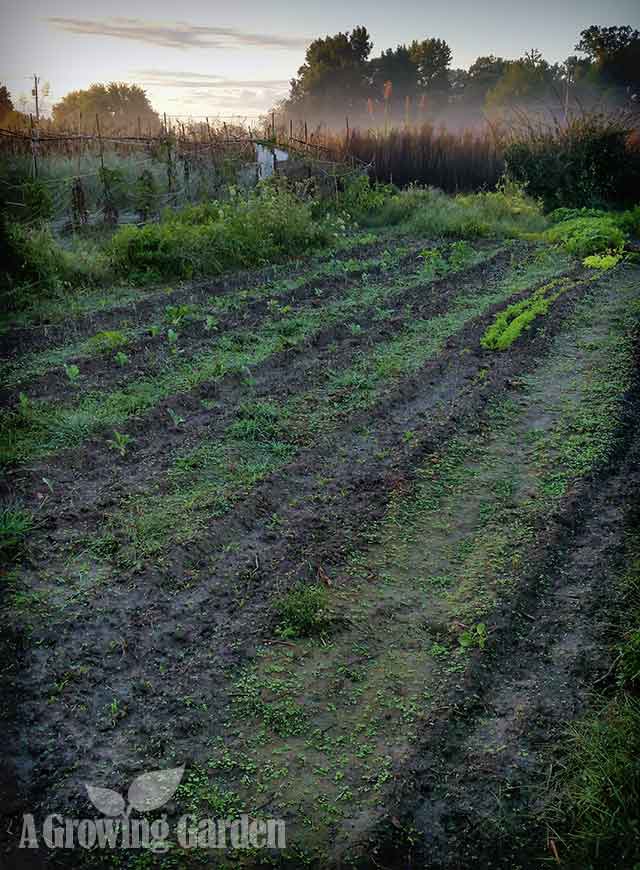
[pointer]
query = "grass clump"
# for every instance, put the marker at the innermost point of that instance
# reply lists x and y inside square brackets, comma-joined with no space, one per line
[107,341]
[505,212]
[15,525]
[303,611]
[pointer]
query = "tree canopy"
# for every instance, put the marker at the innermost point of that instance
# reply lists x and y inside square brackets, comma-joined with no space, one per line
[117,104]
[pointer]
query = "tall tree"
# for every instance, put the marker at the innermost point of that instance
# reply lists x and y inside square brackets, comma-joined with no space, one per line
[6,104]
[334,73]
[118,105]
[615,52]
[432,58]
[530,79]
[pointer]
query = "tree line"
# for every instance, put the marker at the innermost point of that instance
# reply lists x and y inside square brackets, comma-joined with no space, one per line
[339,76]
[411,81]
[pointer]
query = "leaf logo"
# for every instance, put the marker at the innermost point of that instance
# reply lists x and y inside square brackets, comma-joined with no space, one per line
[147,792]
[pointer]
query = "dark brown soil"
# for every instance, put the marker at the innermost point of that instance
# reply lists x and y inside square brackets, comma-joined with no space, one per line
[200,611]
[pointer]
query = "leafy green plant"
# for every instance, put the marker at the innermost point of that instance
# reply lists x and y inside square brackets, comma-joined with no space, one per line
[72,372]
[602,261]
[176,419]
[475,636]
[584,236]
[303,612]
[121,358]
[175,314]
[120,442]
[510,323]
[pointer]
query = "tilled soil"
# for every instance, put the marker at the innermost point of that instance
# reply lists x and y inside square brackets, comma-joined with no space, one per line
[199,613]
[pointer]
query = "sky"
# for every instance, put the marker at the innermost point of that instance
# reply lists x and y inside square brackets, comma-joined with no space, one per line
[203,57]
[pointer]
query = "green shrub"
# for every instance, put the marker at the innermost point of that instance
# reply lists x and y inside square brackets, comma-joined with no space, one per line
[583,236]
[303,611]
[262,227]
[588,162]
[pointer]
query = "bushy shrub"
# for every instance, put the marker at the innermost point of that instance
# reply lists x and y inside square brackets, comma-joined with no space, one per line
[502,213]
[589,162]
[261,227]
[584,236]
[34,265]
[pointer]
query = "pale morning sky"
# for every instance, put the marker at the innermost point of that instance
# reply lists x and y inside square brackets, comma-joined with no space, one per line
[209,58]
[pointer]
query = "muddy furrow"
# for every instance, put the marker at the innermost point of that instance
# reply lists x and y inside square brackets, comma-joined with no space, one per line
[475,791]
[150,354]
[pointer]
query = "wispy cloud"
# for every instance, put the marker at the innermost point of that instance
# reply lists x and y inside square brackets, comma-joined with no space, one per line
[166,78]
[177,34]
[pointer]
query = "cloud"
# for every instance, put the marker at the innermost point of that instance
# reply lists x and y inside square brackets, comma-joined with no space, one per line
[151,79]
[213,92]
[176,35]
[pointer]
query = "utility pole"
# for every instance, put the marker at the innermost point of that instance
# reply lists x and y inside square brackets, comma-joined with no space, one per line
[34,93]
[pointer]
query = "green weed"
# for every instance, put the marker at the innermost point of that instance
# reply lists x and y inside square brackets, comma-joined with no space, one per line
[303,612]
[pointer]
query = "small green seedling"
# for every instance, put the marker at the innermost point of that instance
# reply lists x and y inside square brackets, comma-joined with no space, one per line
[210,323]
[121,358]
[476,636]
[72,372]
[120,442]
[175,314]
[172,336]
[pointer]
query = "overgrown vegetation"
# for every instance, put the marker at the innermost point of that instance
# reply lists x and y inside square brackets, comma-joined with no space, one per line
[591,161]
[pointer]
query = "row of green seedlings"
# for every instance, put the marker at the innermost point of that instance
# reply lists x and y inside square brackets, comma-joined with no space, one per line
[513,320]
[433,262]
[287,333]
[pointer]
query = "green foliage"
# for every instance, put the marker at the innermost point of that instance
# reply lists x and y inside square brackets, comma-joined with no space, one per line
[475,636]
[583,236]
[107,341]
[303,611]
[33,265]
[510,323]
[15,525]
[120,442]
[601,261]
[587,163]
[72,372]
[145,195]
[38,201]
[261,227]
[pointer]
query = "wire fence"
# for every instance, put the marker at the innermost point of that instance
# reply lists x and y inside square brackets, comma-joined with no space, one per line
[91,176]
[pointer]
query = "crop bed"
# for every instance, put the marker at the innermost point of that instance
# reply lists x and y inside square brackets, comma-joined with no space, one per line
[375,437]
